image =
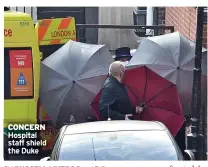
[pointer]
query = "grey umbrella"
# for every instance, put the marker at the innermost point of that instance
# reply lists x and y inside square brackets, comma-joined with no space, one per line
[172,56]
[70,78]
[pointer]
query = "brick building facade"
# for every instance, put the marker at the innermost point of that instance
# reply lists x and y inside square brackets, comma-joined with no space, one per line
[184,20]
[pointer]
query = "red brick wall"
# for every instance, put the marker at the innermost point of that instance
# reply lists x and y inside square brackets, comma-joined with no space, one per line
[184,20]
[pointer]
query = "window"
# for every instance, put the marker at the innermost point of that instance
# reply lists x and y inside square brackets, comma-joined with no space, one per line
[139,17]
[122,145]
[141,8]
[18,73]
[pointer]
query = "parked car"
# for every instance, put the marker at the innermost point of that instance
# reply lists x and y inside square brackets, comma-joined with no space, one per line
[115,140]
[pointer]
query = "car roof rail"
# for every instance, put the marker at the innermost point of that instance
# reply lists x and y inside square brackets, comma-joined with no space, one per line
[160,123]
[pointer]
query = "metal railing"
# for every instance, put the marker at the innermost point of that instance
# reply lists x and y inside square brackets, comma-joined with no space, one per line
[135,27]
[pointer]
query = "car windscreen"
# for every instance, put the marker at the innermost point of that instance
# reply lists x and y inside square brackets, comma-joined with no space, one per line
[121,145]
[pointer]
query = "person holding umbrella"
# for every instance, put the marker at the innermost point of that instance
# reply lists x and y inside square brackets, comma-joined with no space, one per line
[146,89]
[114,101]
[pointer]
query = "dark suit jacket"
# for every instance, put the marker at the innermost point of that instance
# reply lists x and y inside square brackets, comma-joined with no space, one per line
[114,100]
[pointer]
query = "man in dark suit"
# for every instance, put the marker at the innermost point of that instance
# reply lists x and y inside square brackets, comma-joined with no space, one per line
[114,101]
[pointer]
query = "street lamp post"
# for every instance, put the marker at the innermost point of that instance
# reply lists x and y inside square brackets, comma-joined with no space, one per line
[195,139]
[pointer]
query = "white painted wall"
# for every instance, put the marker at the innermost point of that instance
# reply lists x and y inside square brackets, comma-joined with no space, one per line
[115,38]
[149,19]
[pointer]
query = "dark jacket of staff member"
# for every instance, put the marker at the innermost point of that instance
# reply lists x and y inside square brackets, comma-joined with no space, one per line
[114,100]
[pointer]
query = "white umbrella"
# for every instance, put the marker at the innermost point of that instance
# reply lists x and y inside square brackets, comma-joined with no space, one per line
[172,56]
[70,79]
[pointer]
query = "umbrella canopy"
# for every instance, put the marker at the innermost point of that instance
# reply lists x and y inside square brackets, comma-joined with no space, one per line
[158,97]
[172,56]
[70,78]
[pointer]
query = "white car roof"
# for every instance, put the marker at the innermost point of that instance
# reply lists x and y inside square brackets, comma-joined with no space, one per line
[109,126]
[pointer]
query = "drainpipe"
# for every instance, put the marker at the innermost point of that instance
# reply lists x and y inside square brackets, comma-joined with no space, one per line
[155,20]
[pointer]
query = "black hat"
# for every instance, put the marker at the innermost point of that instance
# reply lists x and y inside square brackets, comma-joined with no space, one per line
[123,52]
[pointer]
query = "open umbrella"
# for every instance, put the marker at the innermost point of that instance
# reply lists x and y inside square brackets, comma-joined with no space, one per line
[70,78]
[158,97]
[172,56]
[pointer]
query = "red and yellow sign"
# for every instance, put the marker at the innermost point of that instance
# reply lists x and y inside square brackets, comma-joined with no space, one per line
[21,74]
[56,31]
[43,115]
[50,133]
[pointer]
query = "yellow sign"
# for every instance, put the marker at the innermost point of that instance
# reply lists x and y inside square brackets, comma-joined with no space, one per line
[50,133]
[56,31]
[43,115]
